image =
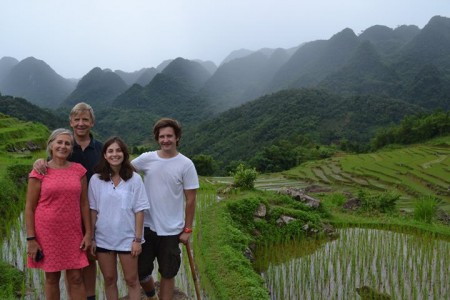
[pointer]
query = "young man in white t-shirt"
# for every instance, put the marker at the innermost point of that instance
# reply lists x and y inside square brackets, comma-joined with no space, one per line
[171,183]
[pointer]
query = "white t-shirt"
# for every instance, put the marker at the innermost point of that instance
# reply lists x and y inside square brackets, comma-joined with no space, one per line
[116,208]
[165,180]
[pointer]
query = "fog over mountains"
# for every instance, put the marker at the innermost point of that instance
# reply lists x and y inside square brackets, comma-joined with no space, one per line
[406,66]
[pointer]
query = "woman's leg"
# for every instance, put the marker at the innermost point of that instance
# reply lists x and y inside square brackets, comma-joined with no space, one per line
[130,272]
[108,265]
[76,284]
[52,285]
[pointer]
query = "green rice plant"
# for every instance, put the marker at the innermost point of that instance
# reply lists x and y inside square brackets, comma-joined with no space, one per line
[399,265]
[425,208]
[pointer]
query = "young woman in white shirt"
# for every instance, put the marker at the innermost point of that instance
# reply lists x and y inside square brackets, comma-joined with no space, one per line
[117,201]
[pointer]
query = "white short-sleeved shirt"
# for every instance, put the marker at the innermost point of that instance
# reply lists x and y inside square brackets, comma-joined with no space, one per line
[116,208]
[165,180]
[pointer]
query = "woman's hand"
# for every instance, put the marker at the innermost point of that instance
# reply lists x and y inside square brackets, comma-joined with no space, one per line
[136,249]
[32,248]
[86,242]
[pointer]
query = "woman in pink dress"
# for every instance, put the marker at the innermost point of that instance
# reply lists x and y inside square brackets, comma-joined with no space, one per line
[56,206]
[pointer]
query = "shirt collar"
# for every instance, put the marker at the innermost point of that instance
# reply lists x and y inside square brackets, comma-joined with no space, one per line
[91,143]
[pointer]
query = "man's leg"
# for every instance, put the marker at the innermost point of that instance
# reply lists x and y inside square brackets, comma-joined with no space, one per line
[145,264]
[166,288]
[148,285]
[169,261]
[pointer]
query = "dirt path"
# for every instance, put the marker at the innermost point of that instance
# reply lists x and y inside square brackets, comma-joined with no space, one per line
[178,294]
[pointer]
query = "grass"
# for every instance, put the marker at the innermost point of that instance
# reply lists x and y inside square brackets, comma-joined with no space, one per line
[14,167]
[414,171]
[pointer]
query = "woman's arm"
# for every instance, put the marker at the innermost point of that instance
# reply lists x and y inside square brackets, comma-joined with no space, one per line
[85,215]
[33,192]
[136,247]
[93,222]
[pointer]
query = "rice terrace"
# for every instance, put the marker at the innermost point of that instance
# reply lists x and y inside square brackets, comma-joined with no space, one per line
[381,228]
[413,171]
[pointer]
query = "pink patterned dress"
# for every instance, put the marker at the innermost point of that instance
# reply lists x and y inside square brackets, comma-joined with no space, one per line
[58,224]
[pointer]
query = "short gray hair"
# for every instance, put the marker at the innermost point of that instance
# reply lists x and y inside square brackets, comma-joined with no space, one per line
[54,135]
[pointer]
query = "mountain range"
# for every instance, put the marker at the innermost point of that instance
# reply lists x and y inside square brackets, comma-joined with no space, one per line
[407,68]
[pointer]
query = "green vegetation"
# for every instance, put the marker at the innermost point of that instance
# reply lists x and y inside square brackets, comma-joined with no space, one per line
[413,129]
[228,231]
[284,129]
[11,282]
[16,158]
[425,209]
[22,109]
[205,165]
[361,258]
[413,171]
[229,227]
[244,177]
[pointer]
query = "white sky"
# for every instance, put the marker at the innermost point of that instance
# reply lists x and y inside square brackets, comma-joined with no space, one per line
[74,36]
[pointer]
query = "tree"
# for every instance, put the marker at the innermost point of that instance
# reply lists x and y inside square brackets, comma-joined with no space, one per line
[205,164]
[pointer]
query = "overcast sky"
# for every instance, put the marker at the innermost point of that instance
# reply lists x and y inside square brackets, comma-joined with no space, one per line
[74,36]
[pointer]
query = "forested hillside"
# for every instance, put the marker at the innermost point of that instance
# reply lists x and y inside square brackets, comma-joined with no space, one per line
[312,115]
[26,111]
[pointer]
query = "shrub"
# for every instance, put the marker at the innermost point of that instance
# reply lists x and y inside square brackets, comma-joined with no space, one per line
[244,177]
[425,208]
[387,201]
[378,202]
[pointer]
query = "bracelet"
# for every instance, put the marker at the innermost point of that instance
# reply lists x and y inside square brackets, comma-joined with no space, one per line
[187,230]
[31,238]
[137,240]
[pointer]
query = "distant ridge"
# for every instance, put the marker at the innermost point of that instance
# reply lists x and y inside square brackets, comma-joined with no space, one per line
[35,81]
[98,88]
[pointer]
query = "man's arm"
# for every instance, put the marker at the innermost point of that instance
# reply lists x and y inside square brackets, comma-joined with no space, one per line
[40,166]
[191,196]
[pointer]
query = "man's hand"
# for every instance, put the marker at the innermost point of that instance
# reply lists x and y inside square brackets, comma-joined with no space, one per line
[184,237]
[40,166]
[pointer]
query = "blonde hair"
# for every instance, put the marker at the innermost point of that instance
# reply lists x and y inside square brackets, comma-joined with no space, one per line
[82,107]
[54,135]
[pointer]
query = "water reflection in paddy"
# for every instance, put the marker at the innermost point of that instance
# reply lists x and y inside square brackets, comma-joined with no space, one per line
[401,265]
